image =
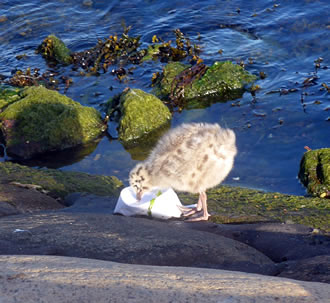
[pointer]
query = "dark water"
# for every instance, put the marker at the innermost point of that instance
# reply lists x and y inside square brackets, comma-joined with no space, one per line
[280,38]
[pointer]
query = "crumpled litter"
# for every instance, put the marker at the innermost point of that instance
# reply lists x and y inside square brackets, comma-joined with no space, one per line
[158,203]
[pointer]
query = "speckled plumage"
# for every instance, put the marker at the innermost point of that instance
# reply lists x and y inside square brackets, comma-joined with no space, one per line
[191,158]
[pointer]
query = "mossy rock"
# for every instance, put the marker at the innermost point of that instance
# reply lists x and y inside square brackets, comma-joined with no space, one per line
[8,95]
[170,71]
[54,49]
[143,116]
[222,81]
[229,204]
[60,183]
[314,172]
[43,120]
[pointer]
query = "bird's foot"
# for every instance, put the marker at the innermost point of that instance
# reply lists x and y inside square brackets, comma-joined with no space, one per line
[199,217]
[188,211]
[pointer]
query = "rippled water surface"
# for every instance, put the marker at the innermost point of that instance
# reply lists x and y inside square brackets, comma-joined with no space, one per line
[280,38]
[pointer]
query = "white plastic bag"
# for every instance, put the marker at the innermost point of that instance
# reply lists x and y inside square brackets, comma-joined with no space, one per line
[161,204]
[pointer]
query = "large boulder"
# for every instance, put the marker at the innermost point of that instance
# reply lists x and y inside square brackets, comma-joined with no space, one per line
[62,279]
[126,240]
[314,172]
[143,116]
[43,120]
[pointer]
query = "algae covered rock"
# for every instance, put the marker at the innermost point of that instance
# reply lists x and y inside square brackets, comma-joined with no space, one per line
[143,115]
[228,204]
[43,120]
[59,183]
[223,79]
[54,49]
[193,84]
[315,172]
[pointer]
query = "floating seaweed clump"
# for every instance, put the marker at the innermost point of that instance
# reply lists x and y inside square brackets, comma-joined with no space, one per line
[114,53]
[123,49]
[109,52]
[165,52]
[33,77]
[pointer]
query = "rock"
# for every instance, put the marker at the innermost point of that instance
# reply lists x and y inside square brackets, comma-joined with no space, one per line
[314,172]
[295,248]
[24,200]
[44,120]
[143,117]
[280,242]
[61,279]
[7,209]
[127,240]
[228,204]
[197,85]
[60,183]
[89,203]
[53,49]
[311,269]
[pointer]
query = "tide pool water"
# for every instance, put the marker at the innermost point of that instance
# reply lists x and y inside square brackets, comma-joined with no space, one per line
[288,41]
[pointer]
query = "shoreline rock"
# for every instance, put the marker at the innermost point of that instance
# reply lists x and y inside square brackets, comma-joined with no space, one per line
[62,279]
[87,228]
[229,204]
[59,183]
[142,241]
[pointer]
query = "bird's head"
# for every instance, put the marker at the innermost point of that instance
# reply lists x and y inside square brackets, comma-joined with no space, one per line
[140,180]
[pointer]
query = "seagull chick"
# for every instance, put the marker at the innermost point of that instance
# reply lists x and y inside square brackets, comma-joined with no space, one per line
[190,158]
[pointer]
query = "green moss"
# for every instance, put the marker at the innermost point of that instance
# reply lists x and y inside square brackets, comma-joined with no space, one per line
[142,115]
[240,205]
[44,120]
[8,95]
[54,49]
[223,79]
[60,183]
[315,172]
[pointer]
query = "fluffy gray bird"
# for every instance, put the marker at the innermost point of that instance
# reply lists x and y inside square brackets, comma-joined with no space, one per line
[189,158]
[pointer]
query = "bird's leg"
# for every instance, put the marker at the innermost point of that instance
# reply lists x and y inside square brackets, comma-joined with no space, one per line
[187,211]
[205,215]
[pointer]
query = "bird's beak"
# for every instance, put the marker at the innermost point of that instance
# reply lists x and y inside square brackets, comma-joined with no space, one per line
[139,195]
